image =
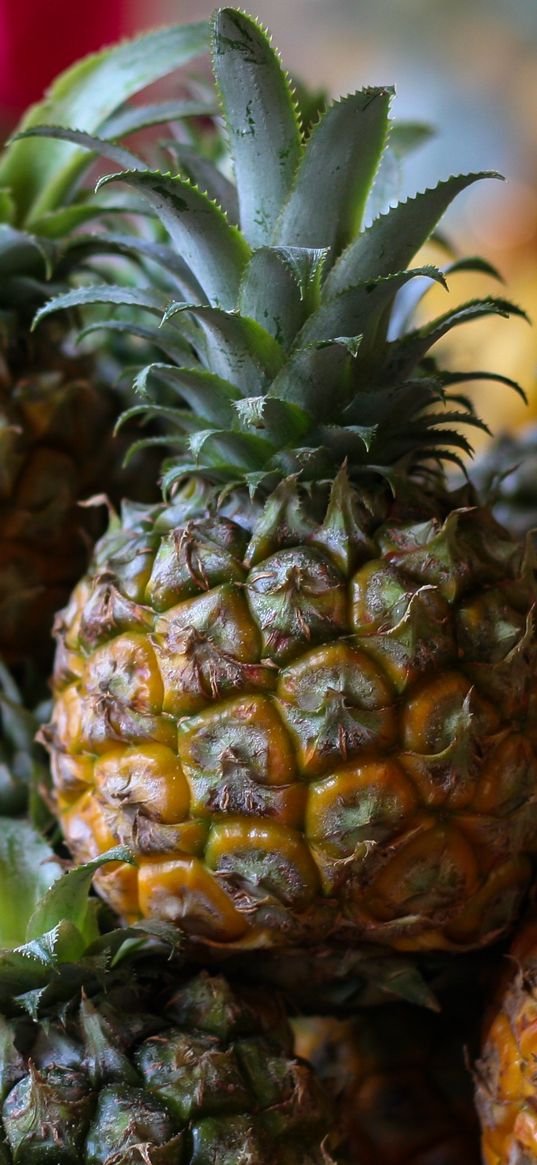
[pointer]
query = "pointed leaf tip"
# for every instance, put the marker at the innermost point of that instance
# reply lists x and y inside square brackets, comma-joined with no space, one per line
[261,119]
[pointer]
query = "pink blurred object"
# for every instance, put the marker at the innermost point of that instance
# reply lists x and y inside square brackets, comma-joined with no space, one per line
[40,38]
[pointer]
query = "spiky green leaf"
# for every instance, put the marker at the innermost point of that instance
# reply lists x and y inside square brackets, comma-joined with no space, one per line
[281,421]
[136,117]
[261,120]
[238,349]
[140,297]
[207,395]
[340,160]
[402,355]
[314,379]
[274,289]
[67,898]
[167,339]
[87,141]
[206,176]
[357,309]
[393,239]
[213,249]
[28,868]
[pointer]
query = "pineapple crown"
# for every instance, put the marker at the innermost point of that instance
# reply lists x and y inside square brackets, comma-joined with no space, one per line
[286,336]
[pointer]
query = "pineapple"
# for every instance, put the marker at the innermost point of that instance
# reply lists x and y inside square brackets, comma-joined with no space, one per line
[55,420]
[506,1090]
[302,688]
[405,1094]
[137,1059]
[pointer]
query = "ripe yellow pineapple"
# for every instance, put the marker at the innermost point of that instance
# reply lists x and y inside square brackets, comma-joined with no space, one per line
[301,689]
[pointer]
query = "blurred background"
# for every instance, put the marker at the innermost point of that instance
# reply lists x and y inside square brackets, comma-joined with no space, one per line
[468,67]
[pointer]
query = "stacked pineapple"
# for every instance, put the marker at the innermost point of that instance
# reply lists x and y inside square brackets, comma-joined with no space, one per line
[302,688]
[294,702]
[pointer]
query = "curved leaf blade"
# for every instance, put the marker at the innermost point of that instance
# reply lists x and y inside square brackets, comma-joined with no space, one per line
[141,297]
[86,95]
[356,310]
[214,251]
[261,120]
[238,349]
[339,163]
[207,395]
[392,240]
[28,868]
[87,141]
[68,898]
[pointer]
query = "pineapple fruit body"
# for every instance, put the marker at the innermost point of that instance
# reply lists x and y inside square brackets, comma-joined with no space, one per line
[191,1075]
[302,736]
[506,1090]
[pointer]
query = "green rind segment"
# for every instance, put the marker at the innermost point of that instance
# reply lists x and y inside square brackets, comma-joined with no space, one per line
[39,174]
[215,251]
[262,124]
[200,1075]
[393,239]
[339,163]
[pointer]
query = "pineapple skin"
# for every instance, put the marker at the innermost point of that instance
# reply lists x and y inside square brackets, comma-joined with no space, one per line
[506,1093]
[189,1075]
[306,730]
[404,1092]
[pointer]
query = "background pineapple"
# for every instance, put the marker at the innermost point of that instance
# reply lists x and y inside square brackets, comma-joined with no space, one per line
[506,1090]
[405,1092]
[302,689]
[57,410]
